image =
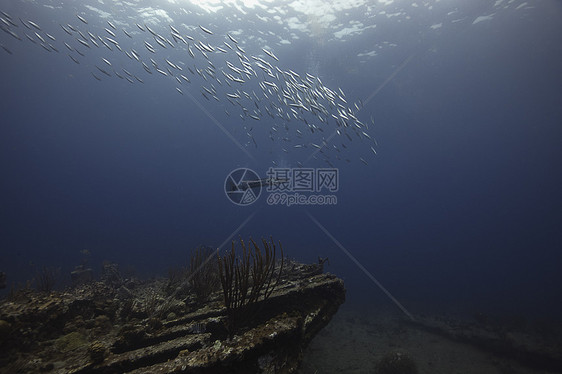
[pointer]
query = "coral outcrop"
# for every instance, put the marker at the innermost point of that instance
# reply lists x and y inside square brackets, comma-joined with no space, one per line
[141,327]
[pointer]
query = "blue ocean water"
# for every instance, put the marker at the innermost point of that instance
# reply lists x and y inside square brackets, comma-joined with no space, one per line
[459,208]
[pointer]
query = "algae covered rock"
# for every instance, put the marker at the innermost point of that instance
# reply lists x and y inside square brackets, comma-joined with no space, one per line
[97,352]
[70,342]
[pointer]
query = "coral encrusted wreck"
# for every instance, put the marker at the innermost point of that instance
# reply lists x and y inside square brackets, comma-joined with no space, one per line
[164,326]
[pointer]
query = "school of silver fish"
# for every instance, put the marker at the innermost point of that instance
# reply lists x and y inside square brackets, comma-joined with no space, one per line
[297,110]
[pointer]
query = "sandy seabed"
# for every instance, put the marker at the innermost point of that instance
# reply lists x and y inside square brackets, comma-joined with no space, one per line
[354,342]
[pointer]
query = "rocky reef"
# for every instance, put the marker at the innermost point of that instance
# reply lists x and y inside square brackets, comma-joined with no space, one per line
[118,325]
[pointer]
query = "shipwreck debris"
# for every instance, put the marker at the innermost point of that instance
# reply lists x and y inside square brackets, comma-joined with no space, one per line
[94,328]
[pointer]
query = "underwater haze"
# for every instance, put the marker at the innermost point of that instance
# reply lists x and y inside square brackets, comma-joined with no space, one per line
[441,120]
